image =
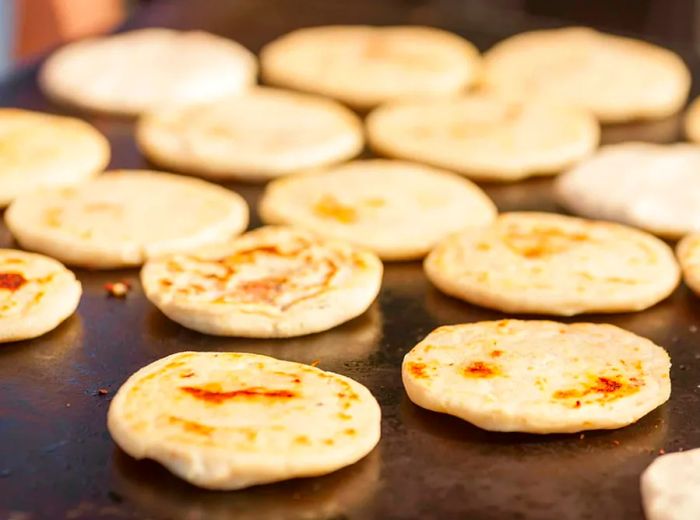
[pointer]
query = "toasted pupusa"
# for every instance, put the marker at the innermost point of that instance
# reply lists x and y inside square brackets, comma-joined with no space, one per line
[651,186]
[692,121]
[484,137]
[262,134]
[688,252]
[618,79]
[364,66]
[39,150]
[271,282]
[397,209]
[135,71]
[36,295]
[670,487]
[538,376]
[224,420]
[546,263]
[125,217]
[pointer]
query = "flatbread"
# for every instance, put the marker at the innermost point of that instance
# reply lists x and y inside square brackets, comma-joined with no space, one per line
[654,187]
[125,217]
[224,420]
[546,263]
[136,71]
[364,66]
[670,487]
[538,376]
[397,209]
[36,295]
[39,150]
[271,282]
[484,137]
[260,135]
[618,79]
[688,252]
[692,121]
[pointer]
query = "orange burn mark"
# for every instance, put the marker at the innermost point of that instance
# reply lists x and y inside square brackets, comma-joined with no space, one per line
[350,431]
[418,370]
[330,207]
[219,397]
[540,242]
[496,353]
[302,439]
[191,426]
[11,281]
[264,289]
[601,388]
[481,369]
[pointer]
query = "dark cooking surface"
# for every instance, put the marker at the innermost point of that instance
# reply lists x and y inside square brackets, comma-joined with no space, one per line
[57,460]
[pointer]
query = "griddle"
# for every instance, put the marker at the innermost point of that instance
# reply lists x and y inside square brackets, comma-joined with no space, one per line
[58,461]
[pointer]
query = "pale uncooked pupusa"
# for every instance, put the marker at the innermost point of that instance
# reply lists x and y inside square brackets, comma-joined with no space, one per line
[397,209]
[364,66]
[262,134]
[484,137]
[136,71]
[270,282]
[618,79]
[225,420]
[37,294]
[654,187]
[42,150]
[538,376]
[125,217]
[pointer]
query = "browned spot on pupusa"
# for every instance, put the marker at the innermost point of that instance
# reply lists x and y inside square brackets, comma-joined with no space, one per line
[540,242]
[218,397]
[481,369]
[11,281]
[598,389]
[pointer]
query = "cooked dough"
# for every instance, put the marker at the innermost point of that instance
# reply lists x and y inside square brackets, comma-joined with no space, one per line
[618,79]
[256,136]
[398,209]
[546,263]
[688,252]
[36,295]
[484,137]
[39,150]
[671,487]
[224,420]
[125,217]
[651,186]
[271,282]
[132,72]
[692,121]
[364,66]
[538,376]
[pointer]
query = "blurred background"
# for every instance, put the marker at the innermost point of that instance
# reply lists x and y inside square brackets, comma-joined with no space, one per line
[29,28]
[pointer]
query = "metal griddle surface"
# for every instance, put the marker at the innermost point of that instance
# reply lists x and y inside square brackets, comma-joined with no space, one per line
[57,459]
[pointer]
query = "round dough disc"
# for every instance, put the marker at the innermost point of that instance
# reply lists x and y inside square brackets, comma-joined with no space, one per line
[262,134]
[364,66]
[132,72]
[618,79]
[224,420]
[651,186]
[538,376]
[484,137]
[546,263]
[670,487]
[688,252]
[125,217]
[692,122]
[271,282]
[36,295]
[397,209]
[39,150]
